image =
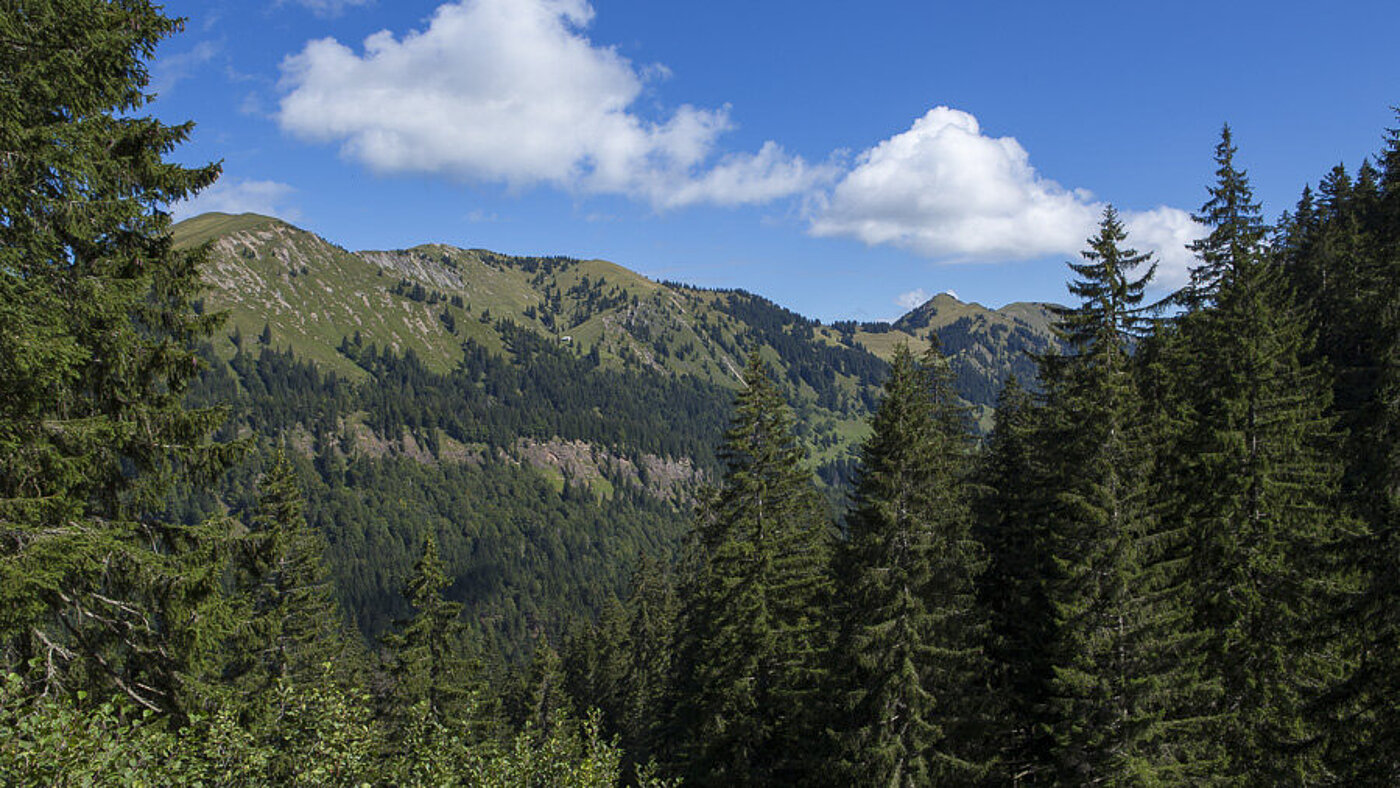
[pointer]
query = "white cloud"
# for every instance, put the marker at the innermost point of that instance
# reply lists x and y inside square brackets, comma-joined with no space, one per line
[740,179]
[945,190]
[1166,232]
[239,196]
[914,298]
[512,91]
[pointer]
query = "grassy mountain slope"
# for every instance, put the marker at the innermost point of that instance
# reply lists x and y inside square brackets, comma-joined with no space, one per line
[312,296]
[549,419]
[430,298]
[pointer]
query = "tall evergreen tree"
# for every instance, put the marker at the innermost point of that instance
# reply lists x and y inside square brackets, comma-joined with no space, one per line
[1119,684]
[750,646]
[99,590]
[429,667]
[1013,527]
[293,630]
[910,674]
[622,665]
[1237,229]
[540,702]
[651,620]
[1260,497]
[1364,718]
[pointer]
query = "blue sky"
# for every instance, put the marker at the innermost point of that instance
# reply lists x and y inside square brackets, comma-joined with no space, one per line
[844,159]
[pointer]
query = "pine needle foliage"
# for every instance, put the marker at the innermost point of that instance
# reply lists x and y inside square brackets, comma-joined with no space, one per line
[293,630]
[429,668]
[1262,496]
[911,678]
[98,590]
[751,648]
[1120,665]
[1013,527]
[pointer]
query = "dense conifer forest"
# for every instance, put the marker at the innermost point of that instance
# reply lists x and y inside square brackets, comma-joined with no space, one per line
[1173,561]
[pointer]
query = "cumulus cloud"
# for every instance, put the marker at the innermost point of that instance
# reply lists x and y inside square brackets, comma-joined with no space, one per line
[239,196]
[913,298]
[1166,232]
[945,190]
[513,91]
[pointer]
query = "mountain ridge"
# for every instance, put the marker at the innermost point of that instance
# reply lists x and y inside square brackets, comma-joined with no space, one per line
[311,295]
[550,419]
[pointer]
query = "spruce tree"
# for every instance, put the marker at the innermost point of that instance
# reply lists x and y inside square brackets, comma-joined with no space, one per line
[540,702]
[621,665]
[1260,496]
[1380,670]
[293,628]
[1118,690]
[429,667]
[910,676]
[1236,228]
[651,612]
[100,591]
[750,647]
[1013,527]
[594,665]
[1363,718]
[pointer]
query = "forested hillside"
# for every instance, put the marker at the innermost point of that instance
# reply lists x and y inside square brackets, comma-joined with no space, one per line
[459,392]
[1174,564]
[272,512]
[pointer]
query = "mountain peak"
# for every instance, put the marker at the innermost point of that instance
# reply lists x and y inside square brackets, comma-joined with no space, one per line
[937,311]
[209,226]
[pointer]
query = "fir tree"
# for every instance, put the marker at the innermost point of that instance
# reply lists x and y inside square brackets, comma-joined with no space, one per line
[99,590]
[1362,717]
[1118,686]
[293,630]
[429,667]
[750,646]
[1013,593]
[1259,497]
[651,611]
[594,663]
[541,704]
[1236,228]
[911,678]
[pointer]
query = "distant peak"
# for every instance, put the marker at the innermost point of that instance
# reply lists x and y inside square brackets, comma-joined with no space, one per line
[220,216]
[208,226]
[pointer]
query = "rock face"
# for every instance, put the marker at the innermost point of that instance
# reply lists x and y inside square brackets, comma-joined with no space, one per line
[602,470]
